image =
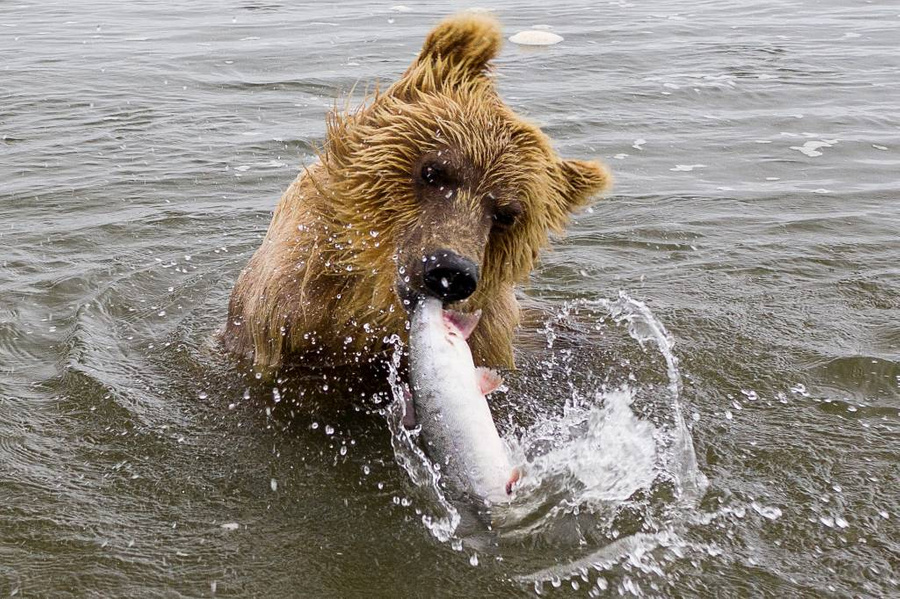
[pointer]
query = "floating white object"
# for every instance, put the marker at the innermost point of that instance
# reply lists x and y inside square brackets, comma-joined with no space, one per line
[535,38]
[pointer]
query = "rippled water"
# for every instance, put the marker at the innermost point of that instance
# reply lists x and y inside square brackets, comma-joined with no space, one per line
[755,218]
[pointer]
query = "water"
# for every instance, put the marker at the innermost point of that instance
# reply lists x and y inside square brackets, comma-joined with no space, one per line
[755,219]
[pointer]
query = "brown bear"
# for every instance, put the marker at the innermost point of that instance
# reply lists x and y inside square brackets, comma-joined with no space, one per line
[434,187]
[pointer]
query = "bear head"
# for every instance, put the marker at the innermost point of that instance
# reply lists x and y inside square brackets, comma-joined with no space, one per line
[439,182]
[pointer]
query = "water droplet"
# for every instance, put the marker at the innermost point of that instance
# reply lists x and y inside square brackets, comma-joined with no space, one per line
[202,395]
[329,430]
[473,559]
[273,484]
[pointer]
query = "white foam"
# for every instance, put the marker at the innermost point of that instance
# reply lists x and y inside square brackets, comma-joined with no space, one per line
[613,457]
[534,37]
[811,148]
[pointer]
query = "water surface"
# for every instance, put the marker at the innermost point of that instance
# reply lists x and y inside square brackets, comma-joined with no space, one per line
[754,222]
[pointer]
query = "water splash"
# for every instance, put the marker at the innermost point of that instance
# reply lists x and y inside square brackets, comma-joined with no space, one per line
[678,455]
[438,514]
[610,470]
[604,449]
[617,465]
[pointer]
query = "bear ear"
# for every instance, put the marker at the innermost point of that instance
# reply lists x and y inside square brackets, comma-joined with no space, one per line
[464,43]
[581,180]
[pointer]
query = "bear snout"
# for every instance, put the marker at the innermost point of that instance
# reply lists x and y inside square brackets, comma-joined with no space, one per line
[449,276]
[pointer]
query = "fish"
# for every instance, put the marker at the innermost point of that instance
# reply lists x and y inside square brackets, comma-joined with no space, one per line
[450,405]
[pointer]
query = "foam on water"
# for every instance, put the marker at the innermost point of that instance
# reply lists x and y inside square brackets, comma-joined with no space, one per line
[536,37]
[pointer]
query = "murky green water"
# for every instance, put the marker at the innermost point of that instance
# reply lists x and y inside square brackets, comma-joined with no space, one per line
[756,218]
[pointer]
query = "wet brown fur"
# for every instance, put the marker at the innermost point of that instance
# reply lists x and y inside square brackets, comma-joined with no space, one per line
[322,288]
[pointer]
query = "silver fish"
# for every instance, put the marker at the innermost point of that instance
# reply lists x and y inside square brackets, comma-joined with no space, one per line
[449,400]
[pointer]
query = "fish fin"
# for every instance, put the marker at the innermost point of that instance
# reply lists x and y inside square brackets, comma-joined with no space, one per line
[464,322]
[514,477]
[488,380]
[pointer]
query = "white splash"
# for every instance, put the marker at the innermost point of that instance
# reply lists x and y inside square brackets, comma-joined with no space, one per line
[811,148]
[606,448]
[438,514]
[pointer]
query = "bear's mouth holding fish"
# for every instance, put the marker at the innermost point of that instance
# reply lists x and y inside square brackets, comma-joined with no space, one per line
[461,213]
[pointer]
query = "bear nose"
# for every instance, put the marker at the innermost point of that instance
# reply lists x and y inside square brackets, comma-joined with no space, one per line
[449,276]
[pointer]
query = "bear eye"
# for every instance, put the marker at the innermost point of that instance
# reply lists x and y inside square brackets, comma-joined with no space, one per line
[433,174]
[506,216]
